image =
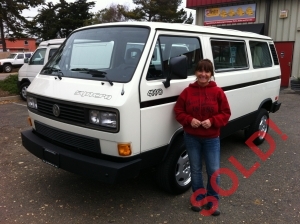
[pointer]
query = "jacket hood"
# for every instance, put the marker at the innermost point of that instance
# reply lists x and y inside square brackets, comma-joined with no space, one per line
[196,85]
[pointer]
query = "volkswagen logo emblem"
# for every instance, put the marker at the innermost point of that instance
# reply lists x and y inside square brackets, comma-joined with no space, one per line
[56,110]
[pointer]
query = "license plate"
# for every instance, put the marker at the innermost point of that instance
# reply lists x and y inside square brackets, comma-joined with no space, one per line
[51,158]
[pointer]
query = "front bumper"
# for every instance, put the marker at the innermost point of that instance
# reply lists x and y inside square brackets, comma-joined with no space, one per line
[100,169]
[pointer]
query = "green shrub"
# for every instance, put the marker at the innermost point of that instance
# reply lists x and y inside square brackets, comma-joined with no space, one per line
[10,84]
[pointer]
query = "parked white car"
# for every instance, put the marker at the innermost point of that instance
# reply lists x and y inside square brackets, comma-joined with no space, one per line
[14,60]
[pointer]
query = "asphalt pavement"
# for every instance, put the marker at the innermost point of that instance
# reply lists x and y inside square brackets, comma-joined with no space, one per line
[34,192]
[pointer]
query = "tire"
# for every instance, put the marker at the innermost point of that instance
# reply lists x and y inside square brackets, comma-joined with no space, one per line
[23,90]
[7,68]
[173,175]
[260,124]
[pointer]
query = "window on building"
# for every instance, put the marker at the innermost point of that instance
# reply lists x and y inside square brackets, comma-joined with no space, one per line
[229,55]
[171,46]
[26,42]
[260,53]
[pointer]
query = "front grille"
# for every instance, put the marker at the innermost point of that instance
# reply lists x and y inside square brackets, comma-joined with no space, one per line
[67,139]
[68,112]
[71,113]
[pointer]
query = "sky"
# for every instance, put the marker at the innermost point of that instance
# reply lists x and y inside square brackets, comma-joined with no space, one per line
[100,4]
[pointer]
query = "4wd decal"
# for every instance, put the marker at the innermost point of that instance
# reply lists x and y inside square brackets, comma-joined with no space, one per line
[91,94]
[154,92]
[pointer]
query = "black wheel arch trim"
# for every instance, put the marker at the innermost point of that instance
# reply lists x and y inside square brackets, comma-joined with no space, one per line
[25,80]
[174,137]
[266,104]
[22,82]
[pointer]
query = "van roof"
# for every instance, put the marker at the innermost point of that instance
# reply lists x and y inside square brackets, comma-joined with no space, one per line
[52,42]
[184,28]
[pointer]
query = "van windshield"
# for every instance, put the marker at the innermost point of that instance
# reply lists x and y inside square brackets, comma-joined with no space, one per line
[103,53]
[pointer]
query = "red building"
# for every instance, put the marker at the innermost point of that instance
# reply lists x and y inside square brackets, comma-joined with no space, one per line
[19,45]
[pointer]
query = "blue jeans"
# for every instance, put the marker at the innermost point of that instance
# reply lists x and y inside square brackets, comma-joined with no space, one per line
[207,149]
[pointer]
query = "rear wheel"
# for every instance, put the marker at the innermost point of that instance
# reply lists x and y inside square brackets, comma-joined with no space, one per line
[259,125]
[174,175]
[23,91]
[7,68]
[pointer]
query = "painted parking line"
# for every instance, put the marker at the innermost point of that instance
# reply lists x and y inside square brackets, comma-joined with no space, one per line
[24,105]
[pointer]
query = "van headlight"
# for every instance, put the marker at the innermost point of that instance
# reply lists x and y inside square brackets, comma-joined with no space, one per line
[103,118]
[31,102]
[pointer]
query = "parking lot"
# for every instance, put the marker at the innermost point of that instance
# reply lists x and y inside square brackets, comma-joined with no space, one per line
[34,192]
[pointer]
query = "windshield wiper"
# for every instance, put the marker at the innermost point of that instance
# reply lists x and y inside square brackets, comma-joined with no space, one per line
[55,70]
[94,73]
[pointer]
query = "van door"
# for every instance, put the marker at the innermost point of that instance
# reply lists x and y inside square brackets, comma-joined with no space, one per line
[158,122]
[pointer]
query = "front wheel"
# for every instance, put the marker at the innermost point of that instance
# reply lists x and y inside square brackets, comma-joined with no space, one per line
[7,68]
[260,125]
[174,175]
[23,91]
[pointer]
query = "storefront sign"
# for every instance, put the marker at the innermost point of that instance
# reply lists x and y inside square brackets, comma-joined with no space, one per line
[230,14]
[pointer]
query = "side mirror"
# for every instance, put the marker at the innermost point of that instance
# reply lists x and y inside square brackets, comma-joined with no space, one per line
[25,60]
[178,69]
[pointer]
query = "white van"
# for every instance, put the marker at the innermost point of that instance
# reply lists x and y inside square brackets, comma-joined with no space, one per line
[33,66]
[106,111]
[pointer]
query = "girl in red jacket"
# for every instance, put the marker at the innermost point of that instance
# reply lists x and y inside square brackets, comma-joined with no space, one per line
[202,109]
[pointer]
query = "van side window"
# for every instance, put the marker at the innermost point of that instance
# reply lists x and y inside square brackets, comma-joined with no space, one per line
[38,57]
[51,52]
[229,55]
[171,46]
[260,53]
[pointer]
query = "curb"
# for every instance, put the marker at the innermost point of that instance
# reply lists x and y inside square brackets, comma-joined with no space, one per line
[8,98]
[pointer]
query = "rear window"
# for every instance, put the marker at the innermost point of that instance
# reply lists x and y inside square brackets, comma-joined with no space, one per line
[27,55]
[260,53]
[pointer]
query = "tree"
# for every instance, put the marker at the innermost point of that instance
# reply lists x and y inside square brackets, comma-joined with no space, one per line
[159,11]
[59,20]
[112,14]
[11,19]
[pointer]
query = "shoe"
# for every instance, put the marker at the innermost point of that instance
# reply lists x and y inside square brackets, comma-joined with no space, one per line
[216,213]
[209,206]
[196,208]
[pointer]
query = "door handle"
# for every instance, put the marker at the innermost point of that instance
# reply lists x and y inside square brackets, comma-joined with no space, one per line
[289,63]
